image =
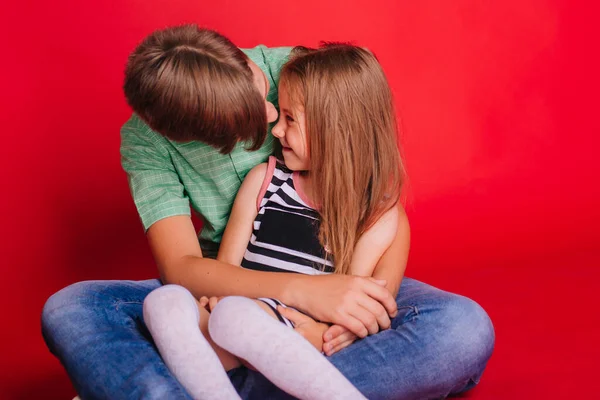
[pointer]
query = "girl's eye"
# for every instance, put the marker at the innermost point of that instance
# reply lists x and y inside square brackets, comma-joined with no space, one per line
[289,119]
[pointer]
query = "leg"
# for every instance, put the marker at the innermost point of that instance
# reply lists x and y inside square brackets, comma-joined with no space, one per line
[439,344]
[240,326]
[172,316]
[95,328]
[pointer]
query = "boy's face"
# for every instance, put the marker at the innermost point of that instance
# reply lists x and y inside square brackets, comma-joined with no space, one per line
[262,84]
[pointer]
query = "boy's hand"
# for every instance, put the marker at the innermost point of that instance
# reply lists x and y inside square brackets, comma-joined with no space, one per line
[336,338]
[310,329]
[361,304]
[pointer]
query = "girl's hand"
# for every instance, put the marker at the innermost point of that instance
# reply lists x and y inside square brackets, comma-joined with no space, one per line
[336,338]
[209,303]
[363,305]
[310,329]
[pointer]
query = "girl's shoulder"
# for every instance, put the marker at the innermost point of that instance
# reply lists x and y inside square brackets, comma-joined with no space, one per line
[262,175]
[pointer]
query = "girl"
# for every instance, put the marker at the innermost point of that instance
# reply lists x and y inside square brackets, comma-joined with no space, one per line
[329,208]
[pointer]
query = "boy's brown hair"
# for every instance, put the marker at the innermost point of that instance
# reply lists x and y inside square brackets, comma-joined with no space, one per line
[189,83]
[352,132]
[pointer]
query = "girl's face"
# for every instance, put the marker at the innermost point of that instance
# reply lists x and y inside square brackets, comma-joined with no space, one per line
[291,132]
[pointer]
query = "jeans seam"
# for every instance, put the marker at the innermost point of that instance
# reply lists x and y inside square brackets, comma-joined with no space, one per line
[412,314]
[120,302]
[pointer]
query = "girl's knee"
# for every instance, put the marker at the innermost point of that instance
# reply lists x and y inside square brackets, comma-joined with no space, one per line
[169,294]
[230,313]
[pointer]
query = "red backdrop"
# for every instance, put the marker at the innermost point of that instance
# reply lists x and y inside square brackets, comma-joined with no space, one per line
[497,102]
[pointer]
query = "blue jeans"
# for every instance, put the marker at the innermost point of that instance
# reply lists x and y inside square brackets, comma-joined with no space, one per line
[439,345]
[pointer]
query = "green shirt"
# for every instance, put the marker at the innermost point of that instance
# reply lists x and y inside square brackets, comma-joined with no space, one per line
[166,177]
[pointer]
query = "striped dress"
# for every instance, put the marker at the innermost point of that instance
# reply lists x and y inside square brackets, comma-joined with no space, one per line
[285,232]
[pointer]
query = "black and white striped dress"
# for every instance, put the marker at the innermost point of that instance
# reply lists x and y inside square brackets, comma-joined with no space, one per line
[285,233]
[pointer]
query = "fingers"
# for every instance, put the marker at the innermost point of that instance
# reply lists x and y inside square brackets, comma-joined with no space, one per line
[353,324]
[203,301]
[377,310]
[340,347]
[343,340]
[381,294]
[333,332]
[366,318]
[209,303]
[293,315]
[369,303]
[359,320]
[212,302]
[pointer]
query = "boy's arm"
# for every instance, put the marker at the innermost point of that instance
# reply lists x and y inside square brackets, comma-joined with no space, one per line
[357,303]
[165,212]
[240,224]
[153,181]
[178,255]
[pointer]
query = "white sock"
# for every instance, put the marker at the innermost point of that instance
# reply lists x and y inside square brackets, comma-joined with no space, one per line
[172,317]
[241,327]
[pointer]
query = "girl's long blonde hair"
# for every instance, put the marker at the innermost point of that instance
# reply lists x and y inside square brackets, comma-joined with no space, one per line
[355,164]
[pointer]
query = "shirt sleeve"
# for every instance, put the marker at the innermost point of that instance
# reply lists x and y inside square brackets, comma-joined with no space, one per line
[155,186]
[271,60]
[275,58]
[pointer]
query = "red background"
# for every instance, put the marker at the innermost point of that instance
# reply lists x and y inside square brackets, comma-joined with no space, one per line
[498,106]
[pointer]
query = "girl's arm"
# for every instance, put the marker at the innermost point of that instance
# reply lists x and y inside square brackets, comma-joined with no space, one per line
[373,243]
[392,265]
[239,226]
[389,266]
[336,299]
[382,251]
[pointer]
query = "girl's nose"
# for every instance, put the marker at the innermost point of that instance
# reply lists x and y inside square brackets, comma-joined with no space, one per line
[278,131]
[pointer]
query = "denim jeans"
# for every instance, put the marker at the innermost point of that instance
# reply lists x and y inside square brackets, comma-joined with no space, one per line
[439,345]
